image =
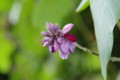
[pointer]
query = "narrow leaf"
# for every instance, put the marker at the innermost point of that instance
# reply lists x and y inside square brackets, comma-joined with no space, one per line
[105,14]
[83,5]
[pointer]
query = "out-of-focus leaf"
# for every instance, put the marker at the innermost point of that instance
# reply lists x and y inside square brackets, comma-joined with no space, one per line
[5,5]
[28,36]
[105,15]
[49,70]
[15,12]
[118,76]
[51,11]
[6,48]
[83,5]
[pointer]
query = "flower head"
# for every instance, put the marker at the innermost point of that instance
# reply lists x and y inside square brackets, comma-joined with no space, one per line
[60,40]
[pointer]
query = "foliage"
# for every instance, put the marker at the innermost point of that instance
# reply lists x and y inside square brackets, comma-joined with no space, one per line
[105,17]
[83,5]
[22,56]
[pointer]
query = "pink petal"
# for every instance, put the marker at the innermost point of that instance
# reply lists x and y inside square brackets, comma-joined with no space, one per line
[65,46]
[51,49]
[48,26]
[67,28]
[59,39]
[46,34]
[51,27]
[64,49]
[72,47]
[45,43]
[56,45]
[63,55]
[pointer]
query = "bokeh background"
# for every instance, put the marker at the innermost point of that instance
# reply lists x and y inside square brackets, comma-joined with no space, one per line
[22,56]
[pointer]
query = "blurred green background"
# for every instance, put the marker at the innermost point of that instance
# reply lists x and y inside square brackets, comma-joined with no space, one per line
[22,56]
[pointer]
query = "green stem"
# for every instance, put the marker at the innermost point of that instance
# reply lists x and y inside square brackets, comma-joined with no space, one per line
[113,59]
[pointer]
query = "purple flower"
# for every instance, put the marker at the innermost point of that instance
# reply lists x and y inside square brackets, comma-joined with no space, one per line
[59,40]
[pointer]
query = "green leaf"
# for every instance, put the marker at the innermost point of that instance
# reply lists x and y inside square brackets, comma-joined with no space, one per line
[6,49]
[118,76]
[83,5]
[5,5]
[105,14]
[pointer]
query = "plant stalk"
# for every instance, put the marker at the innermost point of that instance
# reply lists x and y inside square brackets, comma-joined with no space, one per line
[113,59]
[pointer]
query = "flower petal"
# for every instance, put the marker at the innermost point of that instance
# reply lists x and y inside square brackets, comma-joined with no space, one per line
[56,45]
[46,34]
[64,49]
[72,47]
[59,39]
[46,43]
[67,28]
[63,55]
[65,46]
[51,49]
[51,27]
